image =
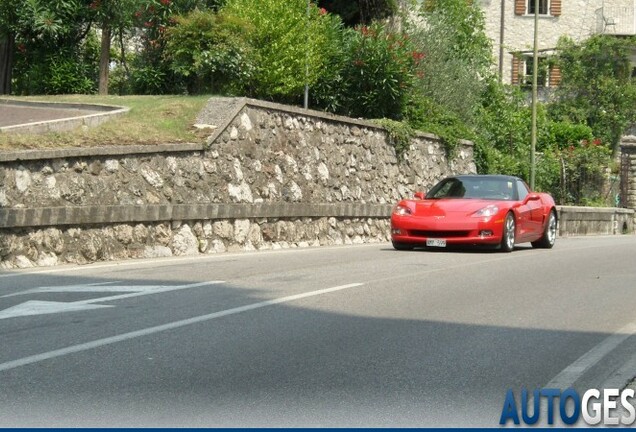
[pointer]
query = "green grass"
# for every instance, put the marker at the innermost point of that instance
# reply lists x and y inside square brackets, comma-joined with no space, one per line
[151,120]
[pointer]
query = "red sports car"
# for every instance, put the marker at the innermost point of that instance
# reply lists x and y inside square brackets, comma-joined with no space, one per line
[492,210]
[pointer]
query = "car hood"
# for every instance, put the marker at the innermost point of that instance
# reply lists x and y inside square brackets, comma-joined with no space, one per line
[444,207]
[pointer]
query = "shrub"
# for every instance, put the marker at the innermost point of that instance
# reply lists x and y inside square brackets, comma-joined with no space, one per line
[289,43]
[378,73]
[209,52]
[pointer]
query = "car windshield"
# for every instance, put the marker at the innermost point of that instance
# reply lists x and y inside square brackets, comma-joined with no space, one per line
[474,188]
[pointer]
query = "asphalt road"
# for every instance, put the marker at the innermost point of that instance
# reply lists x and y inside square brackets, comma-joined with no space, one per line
[11,115]
[346,336]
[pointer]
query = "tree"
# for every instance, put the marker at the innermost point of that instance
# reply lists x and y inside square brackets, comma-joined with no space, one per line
[7,45]
[596,87]
[38,35]
[355,12]
[288,42]
[457,52]
[111,15]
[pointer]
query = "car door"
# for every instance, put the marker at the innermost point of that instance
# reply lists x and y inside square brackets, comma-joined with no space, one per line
[529,213]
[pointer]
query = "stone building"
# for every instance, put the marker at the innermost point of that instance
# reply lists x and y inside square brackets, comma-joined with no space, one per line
[510,25]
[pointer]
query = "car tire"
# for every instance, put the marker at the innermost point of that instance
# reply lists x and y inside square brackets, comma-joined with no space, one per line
[508,235]
[549,233]
[402,246]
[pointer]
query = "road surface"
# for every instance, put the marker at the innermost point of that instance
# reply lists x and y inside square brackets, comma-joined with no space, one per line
[341,336]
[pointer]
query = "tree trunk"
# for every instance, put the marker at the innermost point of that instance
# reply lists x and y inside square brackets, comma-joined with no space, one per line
[6,62]
[104,60]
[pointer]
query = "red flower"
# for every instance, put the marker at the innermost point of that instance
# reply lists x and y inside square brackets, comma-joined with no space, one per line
[147,24]
[165,2]
[323,11]
[596,142]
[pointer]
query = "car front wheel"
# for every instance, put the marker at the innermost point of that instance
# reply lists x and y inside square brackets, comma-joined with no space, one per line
[508,237]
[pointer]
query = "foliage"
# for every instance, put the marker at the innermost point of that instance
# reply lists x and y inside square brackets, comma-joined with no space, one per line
[151,73]
[426,115]
[327,93]
[399,135]
[563,134]
[458,55]
[65,70]
[596,87]
[502,128]
[577,174]
[209,52]
[289,42]
[378,73]
[356,12]
[52,52]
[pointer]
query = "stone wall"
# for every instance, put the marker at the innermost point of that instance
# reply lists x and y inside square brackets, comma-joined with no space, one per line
[628,172]
[269,176]
[594,221]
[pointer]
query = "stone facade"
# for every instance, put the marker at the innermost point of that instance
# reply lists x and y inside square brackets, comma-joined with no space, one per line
[269,177]
[578,20]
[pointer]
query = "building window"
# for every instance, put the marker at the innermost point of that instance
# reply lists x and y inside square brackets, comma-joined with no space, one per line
[549,74]
[544,8]
[542,72]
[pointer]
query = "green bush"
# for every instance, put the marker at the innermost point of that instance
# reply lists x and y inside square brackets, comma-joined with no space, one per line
[378,74]
[209,52]
[289,43]
[64,72]
[563,134]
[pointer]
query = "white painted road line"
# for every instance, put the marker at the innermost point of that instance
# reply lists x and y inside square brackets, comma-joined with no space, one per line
[36,307]
[170,326]
[568,376]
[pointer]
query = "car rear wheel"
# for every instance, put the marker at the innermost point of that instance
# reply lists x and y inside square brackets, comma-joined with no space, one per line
[402,246]
[549,233]
[508,237]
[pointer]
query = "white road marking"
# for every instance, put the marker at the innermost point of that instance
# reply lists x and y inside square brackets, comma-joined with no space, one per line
[94,287]
[568,376]
[35,307]
[170,326]
[38,307]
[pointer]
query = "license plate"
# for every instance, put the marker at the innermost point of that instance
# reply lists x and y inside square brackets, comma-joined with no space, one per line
[436,242]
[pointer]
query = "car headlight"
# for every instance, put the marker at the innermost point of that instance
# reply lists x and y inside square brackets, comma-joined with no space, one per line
[488,211]
[401,210]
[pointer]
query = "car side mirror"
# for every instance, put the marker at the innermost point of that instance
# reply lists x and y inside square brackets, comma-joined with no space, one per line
[420,195]
[533,197]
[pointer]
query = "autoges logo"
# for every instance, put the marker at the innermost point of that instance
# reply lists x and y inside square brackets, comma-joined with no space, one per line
[608,407]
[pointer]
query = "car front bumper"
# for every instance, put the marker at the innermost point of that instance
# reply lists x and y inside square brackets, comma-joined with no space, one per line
[417,230]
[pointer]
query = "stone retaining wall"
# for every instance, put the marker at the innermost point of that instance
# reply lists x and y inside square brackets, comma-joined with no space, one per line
[594,221]
[269,176]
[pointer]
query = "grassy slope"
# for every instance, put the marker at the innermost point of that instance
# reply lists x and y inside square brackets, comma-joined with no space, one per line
[151,120]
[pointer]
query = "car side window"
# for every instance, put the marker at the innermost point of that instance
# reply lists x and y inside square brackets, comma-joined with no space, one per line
[522,190]
[442,189]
